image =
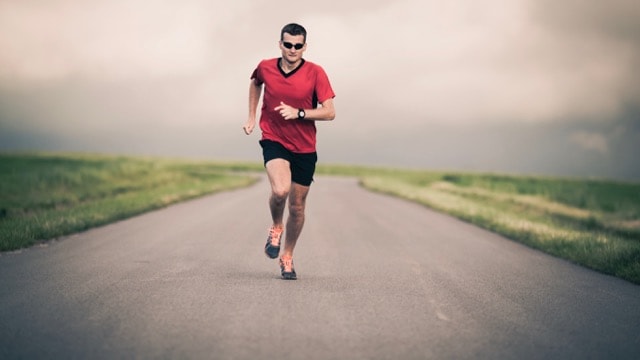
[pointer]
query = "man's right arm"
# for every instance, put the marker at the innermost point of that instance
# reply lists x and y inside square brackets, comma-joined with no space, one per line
[255,91]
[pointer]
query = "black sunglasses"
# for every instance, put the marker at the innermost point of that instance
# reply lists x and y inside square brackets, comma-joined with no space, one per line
[289,45]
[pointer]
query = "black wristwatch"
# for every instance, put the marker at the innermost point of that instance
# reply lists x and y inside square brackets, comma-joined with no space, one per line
[301,114]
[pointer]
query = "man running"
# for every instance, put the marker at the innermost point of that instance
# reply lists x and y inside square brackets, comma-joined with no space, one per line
[293,88]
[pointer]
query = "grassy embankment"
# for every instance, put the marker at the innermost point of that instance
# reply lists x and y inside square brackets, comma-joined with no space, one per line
[590,222]
[44,196]
[594,223]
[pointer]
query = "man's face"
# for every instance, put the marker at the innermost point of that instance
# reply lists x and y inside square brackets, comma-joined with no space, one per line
[292,54]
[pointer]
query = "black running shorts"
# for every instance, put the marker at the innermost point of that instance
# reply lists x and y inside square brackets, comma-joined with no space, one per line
[302,166]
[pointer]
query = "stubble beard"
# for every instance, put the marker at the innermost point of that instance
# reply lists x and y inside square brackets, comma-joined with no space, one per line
[296,60]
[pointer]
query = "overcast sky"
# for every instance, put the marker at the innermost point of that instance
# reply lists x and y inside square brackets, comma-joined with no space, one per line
[525,86]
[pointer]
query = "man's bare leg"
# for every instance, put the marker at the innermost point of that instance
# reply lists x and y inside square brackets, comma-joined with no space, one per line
[295,222]
[279,175]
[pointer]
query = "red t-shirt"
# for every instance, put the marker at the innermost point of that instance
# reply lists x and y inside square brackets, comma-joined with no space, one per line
[303,88]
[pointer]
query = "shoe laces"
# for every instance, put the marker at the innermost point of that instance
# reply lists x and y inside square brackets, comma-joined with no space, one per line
[286,264]
[274,235]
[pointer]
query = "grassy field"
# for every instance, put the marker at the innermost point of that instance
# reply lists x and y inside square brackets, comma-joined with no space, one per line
[590,222]
[43,196]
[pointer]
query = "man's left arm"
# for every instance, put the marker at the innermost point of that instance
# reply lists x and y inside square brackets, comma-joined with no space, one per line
[326,112]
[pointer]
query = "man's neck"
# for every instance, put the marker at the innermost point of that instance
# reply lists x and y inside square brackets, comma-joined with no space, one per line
[288,67]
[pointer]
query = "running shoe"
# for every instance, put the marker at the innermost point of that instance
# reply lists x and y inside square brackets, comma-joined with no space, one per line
[272,248]
[287,270]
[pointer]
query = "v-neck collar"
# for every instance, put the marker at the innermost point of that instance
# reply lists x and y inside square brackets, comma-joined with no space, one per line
[286,75]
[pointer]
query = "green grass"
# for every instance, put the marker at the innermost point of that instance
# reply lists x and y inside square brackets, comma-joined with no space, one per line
[594,223]
[43,196]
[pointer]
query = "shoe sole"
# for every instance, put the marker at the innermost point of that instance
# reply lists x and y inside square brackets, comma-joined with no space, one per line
[271,251]
[289,276]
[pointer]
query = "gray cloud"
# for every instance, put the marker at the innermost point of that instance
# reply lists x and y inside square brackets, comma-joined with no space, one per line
[591,141]
[172,77]
[457,61]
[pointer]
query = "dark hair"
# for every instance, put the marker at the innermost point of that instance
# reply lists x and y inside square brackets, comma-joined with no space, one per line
[294,29]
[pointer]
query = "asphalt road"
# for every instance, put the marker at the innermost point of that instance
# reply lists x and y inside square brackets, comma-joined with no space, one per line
[378,278]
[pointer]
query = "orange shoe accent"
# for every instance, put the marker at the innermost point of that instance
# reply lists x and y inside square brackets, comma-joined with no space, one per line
[272,248]
[286,269]
[274,236]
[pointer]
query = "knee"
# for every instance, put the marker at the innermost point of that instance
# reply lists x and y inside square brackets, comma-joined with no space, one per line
[280,194]
[296,209]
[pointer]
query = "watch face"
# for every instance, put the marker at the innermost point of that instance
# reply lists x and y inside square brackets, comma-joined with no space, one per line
[301,113]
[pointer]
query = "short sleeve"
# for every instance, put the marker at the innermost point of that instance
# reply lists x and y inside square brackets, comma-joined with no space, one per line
[323,89]
[256,75]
